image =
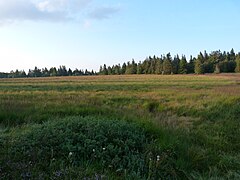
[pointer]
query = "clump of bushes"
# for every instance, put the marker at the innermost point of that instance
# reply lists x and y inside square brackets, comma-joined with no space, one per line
[56,147]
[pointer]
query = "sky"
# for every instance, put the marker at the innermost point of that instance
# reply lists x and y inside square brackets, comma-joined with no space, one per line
[89,33]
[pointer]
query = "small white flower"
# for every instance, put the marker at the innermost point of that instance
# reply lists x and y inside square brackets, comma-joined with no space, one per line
[104,149]
[158,158]
[70,154]
[93,150]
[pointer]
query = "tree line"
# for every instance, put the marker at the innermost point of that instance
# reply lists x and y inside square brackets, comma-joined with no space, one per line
[215,62]
[44,72]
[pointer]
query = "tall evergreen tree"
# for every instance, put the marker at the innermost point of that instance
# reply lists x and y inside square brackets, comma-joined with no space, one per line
[167,64]
[183,65]
[159,66]
[37,72]
[224,64]
[105,71]
[45,72]
[134,67]
[109,70]
[232,55]
[124,67]
[198,67]
[175,64]
[139,68]
[237,69]
[128,68]
[146,65]
[101,70]
[70,73]
[117,69]
[190,65]
[53,71]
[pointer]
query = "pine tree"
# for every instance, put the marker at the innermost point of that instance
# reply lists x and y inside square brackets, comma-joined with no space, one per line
[224,64]
[117,69]
[77,72]
[198,67]
[183,66]
[167,64]
[175,64]
[62,71]
[23,73]
[232,55]
[146,65]
[105,71]
[139,68]
[124,67]
[237,69]
[86,73]
[45,72]
[190,65]
[101,70]
[70,72]
[53,71]
[109,70]
[37,72]
[128,68]
[134,67]
[159,66]
[114,69]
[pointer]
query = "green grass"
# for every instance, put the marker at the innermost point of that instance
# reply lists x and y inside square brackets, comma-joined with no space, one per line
[190,122]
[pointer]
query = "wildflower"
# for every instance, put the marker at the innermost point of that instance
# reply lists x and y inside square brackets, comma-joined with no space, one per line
[104,149]
[70,154]
[158,158]
[93,150]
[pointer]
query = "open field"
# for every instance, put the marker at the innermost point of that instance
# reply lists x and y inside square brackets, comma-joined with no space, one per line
[126,127]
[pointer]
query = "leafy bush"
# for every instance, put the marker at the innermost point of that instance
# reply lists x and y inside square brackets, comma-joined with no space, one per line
[117,146]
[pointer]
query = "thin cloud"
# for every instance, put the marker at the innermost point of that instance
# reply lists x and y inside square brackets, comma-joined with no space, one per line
[104,12]
[47,10]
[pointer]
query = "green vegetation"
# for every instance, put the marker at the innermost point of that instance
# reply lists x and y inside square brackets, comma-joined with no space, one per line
[215,62]
[121,127]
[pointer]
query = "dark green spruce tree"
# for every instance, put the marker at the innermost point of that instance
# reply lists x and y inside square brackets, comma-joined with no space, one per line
[237,69]
[190,65]
[167,64]
[124,67]
[199,66]
[183,66]
[175,64]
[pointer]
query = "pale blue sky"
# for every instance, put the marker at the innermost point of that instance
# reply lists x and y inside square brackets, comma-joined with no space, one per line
[88,33]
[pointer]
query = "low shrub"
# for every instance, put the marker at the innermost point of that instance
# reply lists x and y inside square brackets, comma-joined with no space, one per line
[55,146]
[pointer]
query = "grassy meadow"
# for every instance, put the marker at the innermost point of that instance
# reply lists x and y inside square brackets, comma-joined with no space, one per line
[120,127]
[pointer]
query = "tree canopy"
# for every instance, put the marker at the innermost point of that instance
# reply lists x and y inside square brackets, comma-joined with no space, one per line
[44,72]
[214,62]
